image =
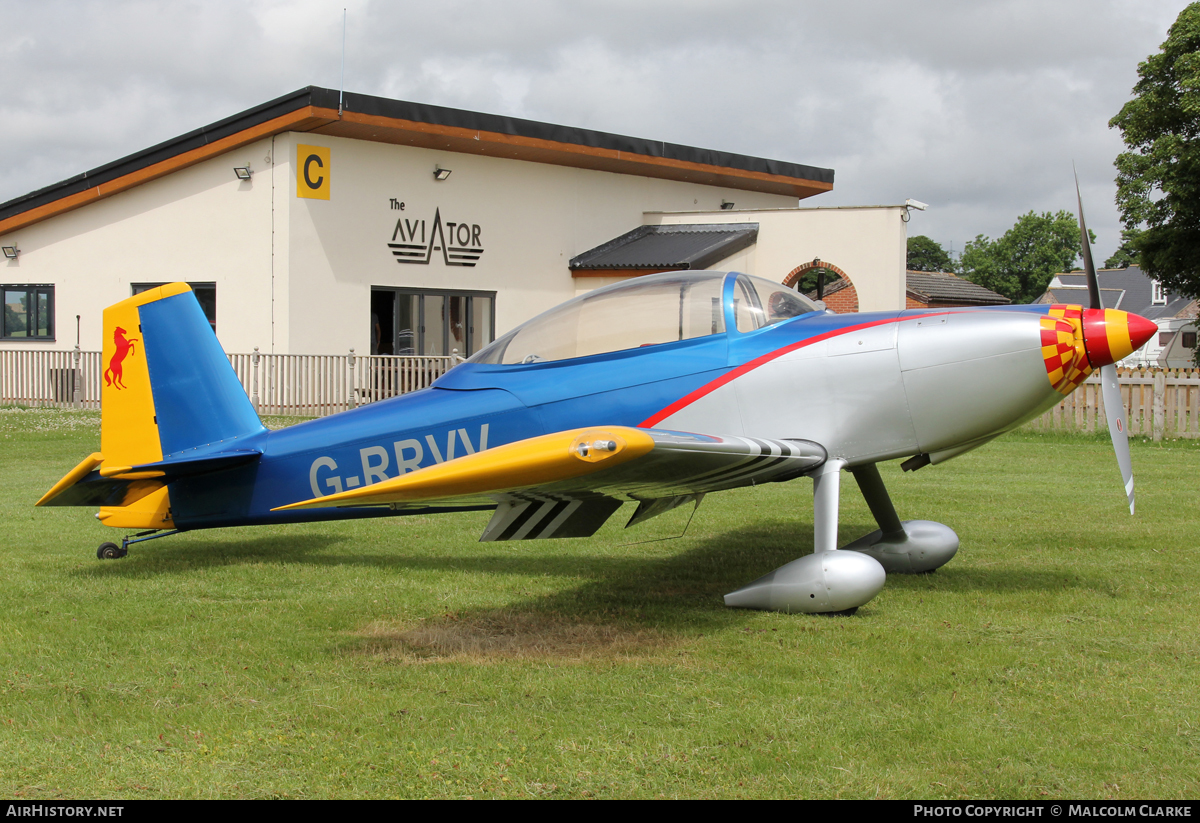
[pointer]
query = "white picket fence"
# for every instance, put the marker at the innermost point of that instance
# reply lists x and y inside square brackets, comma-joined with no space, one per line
[50,378]
[314,385]
[309,385]
[1158,403]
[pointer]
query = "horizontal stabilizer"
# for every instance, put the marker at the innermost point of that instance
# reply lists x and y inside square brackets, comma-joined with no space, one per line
[87,485]
[174,467]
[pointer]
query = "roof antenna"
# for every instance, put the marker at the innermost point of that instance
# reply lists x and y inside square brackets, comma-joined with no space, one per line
[342,82]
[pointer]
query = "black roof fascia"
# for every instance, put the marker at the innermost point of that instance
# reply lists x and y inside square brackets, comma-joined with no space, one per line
[402,110]
[697,246]
[458,118]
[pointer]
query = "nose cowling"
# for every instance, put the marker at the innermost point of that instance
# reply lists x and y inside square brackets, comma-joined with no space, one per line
[1110,335]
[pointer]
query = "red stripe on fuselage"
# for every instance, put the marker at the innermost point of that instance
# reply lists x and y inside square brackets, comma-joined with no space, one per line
[733,374]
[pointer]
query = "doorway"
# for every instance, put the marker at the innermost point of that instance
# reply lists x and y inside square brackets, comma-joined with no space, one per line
[431,323]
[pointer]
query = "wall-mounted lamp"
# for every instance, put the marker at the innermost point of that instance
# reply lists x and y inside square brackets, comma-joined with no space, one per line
[243,172]
[11,252]
[439,173]
[726,205]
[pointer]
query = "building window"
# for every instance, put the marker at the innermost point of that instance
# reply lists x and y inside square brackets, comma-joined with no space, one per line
[28,313]
[420,322]
[206,295]
[1158,295]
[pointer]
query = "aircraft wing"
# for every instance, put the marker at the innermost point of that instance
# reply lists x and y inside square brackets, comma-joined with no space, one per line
[567,484]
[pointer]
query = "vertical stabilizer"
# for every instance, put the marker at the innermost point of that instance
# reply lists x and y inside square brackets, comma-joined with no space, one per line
[168,388]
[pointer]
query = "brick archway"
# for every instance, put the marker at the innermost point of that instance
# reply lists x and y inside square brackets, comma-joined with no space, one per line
[840,296]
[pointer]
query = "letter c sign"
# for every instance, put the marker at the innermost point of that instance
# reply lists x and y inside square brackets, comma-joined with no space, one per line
[312,172]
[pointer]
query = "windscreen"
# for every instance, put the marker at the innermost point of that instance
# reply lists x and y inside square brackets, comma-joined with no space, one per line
[643,311]
[757,302]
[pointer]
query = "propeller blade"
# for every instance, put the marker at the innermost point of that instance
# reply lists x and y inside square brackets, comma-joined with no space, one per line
[1088,265]
[1114,406]
[1114,410]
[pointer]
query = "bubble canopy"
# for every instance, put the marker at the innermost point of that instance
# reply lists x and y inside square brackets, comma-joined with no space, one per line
[648,311]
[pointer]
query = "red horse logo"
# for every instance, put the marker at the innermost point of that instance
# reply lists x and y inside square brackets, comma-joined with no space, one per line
[113,374]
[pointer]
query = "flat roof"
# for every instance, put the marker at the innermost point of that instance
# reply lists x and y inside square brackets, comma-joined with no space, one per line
[363,117]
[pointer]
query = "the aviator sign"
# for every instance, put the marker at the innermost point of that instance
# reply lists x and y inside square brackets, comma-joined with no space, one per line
[414,240]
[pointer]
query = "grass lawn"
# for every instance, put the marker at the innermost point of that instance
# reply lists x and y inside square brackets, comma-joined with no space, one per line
[1056,656]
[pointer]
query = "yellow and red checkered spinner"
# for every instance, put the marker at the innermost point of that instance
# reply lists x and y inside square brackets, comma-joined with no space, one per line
[1063,348]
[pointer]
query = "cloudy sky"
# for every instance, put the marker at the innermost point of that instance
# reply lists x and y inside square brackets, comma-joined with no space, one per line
[976,108]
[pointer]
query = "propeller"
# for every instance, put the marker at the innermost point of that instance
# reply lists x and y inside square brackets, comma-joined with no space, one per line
[1114,406]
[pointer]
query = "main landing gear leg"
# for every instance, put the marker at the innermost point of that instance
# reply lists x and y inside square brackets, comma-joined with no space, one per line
[111,551]
[909,547]
[826,581]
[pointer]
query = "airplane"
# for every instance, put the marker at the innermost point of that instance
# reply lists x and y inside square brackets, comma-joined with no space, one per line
[656,390]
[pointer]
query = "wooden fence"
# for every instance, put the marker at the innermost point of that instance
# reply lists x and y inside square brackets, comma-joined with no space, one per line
[1158,403]
[298,384]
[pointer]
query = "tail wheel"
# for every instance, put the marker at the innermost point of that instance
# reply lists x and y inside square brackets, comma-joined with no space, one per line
[110,551]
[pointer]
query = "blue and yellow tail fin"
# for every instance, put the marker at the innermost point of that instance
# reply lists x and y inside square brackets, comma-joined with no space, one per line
[171,405]
[195,401]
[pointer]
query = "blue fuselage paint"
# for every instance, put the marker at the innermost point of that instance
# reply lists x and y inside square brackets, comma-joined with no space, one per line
[477,406]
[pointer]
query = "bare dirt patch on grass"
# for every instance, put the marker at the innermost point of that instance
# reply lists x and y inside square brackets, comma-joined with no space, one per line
[505,634]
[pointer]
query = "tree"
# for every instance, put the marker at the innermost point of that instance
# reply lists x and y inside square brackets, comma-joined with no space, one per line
[925,254]
[1158,178]
[1126,255]
[1019,265]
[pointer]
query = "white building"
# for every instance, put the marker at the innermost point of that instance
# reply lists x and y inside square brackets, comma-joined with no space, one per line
[394,226]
